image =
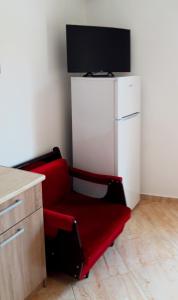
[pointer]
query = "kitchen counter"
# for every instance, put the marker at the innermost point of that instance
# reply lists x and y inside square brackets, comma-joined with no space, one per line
[14,182]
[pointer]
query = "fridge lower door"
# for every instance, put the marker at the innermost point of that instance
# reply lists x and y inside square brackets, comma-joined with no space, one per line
[127,156]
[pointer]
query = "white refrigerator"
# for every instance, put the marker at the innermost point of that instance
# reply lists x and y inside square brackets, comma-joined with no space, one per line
[106,132]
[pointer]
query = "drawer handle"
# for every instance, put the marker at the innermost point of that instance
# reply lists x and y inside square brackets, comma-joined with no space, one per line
[10,207]
[13,237]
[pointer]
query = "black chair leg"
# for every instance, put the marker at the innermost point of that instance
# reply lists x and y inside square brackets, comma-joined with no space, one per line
[87,275]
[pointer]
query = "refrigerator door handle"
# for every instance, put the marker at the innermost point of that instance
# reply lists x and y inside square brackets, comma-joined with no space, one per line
[128,116]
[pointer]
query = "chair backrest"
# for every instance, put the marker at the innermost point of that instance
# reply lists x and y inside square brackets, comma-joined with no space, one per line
[57,183]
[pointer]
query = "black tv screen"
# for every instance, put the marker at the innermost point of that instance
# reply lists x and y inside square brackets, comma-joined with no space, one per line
[97,49]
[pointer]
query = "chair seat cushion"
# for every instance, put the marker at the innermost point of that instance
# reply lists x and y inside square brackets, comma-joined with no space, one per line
[99,222]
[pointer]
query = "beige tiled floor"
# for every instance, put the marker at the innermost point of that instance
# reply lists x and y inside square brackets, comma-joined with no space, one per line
[142,265]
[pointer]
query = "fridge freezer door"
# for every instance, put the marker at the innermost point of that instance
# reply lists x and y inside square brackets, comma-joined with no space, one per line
[128,157]
[93,135]
[93,125]
[127,96]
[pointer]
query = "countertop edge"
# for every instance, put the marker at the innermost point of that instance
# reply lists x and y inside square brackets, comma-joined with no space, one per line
[22,189]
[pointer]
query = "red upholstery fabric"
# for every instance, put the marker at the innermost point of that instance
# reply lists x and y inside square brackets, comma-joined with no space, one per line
[54,221]
[100,249]
[99,223]
[92,177]
[57,183]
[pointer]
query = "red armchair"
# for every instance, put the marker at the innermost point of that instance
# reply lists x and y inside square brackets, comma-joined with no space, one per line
[78,228]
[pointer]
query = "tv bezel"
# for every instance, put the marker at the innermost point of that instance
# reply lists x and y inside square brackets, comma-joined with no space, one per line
[80,70]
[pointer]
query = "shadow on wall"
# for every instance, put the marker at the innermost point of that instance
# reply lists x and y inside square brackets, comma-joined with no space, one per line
[52,105]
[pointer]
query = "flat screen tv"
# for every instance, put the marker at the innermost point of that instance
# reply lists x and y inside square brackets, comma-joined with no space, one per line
[94,49]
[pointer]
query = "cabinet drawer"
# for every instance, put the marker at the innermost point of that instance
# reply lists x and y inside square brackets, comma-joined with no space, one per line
[22,258]
[19,207]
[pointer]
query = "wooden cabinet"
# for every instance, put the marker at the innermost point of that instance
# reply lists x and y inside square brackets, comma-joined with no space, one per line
[22,256]
[19,207]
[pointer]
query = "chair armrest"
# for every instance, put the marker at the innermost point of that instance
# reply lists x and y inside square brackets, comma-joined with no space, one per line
[115,193]
[54,221]
[93,177]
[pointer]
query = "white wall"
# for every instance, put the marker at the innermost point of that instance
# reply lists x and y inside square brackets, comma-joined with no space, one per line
[34,85]
[154,27]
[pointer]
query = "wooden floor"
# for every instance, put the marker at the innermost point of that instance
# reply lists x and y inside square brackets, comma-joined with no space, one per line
[143,263]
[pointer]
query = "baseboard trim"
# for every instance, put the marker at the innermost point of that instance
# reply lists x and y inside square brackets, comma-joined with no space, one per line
[145,197]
